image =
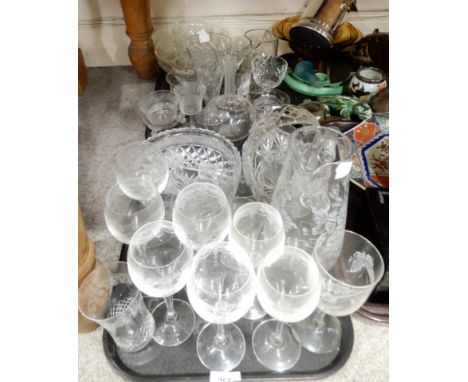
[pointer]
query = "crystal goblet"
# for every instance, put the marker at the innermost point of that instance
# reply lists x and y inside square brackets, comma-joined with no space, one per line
[258,229]
[350,267]
[221,289]
[159,263]
[268,72]
[288,290]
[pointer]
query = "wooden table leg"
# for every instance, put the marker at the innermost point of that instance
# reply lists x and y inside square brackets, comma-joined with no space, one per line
[137,16]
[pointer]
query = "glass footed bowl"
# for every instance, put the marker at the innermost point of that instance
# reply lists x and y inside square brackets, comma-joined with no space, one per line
[169,46]
[264,152]
[231,116]
[198,155]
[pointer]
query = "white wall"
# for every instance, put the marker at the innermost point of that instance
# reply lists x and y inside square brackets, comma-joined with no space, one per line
[101,27]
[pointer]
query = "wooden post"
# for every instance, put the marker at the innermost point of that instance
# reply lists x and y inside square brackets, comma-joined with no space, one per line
[137,16]
[82,73]
[86,264]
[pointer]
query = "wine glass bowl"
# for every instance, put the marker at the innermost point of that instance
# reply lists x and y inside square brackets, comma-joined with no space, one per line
[140,159]
[221,289]
[202,211]
[289,290]
[349,271]
[350,267]
[258,229]
[124,215]
[159,260]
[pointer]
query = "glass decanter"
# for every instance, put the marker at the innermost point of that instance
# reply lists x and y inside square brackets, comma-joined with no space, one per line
[230,115]
[312,190]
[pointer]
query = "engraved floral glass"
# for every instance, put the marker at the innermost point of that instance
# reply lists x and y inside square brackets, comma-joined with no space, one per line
[221,289]
[312,190]
[190,96]
[289,290]
[108,297]
[350,267]
[159,261]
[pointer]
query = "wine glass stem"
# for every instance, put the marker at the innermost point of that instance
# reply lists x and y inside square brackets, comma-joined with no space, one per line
[192,119]
[277,336]
[171,314]
[319,318]
[220,339]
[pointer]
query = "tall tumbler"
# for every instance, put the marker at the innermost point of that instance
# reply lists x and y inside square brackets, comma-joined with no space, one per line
[109,298]
[312,190]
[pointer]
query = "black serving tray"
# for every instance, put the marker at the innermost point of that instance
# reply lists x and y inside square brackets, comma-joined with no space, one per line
[181,363]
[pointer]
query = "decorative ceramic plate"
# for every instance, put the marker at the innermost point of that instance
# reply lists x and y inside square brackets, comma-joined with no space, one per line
[371,157]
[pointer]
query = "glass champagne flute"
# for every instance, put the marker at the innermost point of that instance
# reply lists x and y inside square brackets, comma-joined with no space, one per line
[288,290]
[258,229]
[221,289]
[350,267]
[124,215]
[202,211]
[159,263]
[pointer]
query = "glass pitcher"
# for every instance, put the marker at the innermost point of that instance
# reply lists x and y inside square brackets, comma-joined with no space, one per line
[312,190]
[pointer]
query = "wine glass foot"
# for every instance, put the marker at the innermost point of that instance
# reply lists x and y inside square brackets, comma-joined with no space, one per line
[255,312]
[220,357]
[275,356]
[173,332]
[275,99]
[319,337]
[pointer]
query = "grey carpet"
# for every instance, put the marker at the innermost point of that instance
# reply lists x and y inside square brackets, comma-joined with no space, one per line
[108,118]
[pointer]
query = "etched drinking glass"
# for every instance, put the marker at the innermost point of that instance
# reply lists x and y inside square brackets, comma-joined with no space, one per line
[221,289]
[190,95]
[124,215]
[350,267]
[257,228]
[289,290]
[159,263]
[108,297]
[268,72]
[140,159]
[202,211]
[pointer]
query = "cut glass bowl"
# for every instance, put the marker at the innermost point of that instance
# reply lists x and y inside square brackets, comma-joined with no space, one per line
[264,152]
[198,155]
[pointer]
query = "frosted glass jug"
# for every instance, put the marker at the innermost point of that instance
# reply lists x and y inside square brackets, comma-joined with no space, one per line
[312,190]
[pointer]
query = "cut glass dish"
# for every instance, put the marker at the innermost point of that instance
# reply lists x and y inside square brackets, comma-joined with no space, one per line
[264,152]
[198,155]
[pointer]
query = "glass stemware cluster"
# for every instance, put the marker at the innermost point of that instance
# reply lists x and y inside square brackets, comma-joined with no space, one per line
[291,264]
